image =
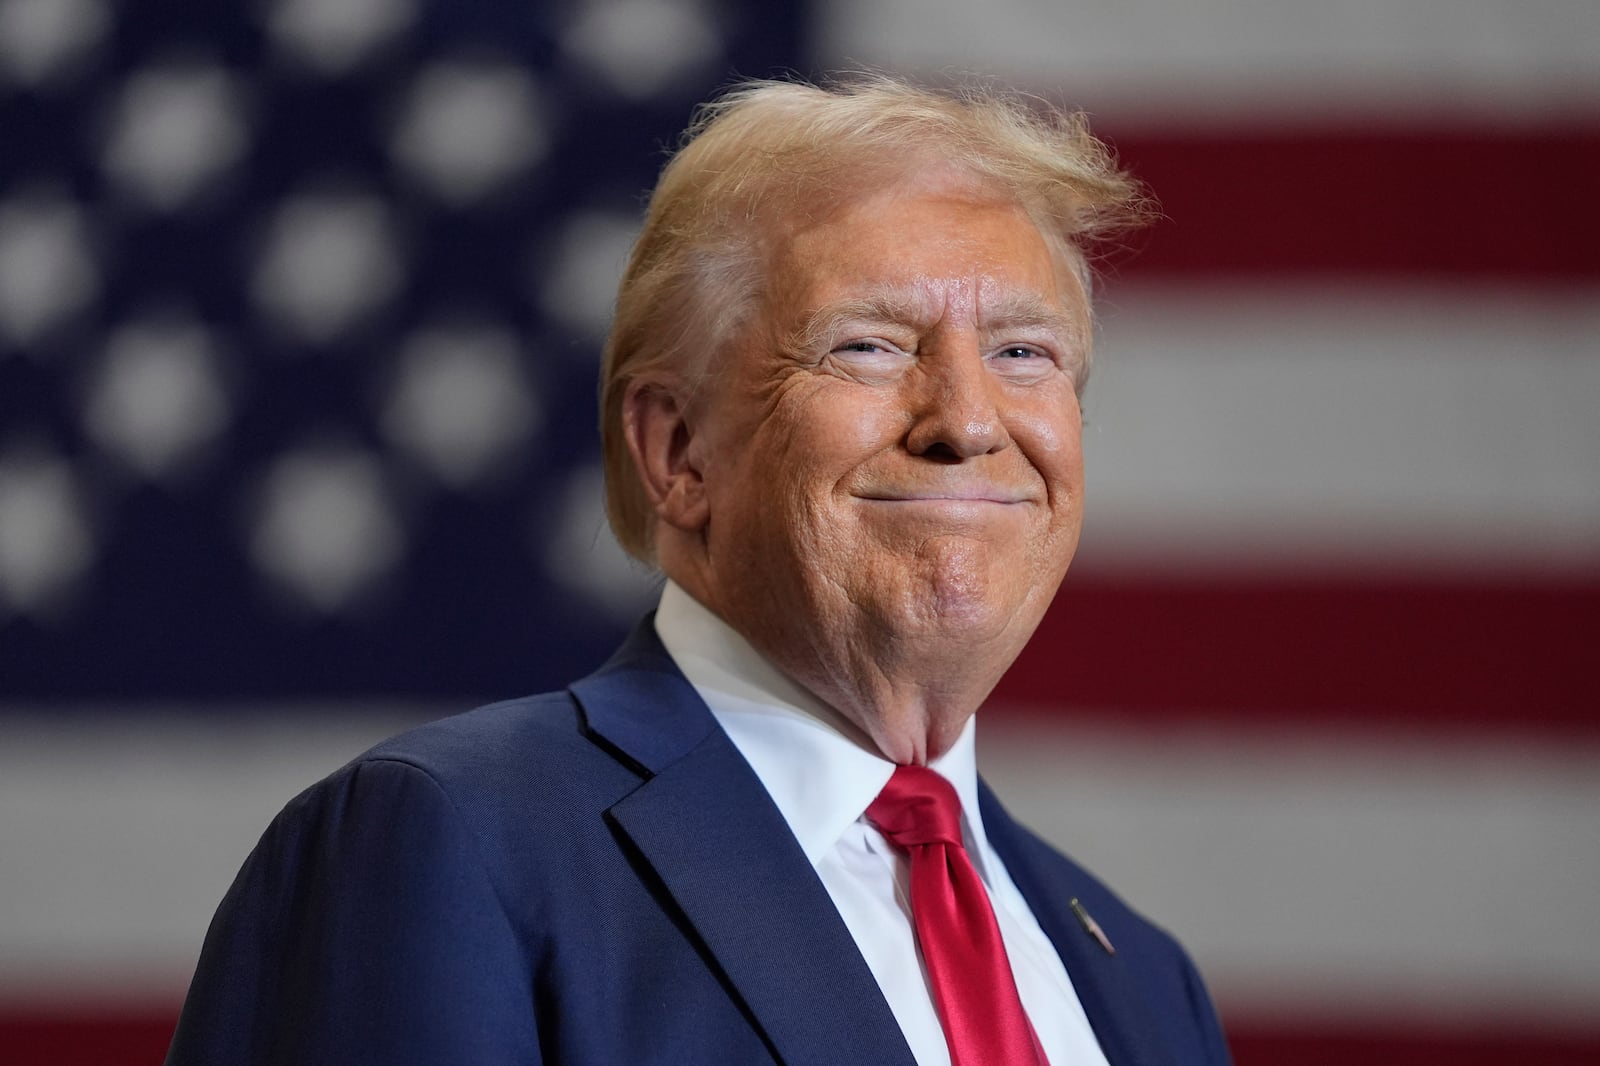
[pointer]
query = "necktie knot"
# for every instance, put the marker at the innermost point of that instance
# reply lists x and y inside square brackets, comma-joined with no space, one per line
[917,806]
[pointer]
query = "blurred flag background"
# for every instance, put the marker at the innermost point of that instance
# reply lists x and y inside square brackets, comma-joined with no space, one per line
[300,308]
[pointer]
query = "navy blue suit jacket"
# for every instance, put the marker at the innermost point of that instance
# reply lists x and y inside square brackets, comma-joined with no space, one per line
[596,876]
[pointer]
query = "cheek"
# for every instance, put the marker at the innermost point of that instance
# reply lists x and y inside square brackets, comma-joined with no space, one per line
[816,452]
[1051,435]
[834,429]
[792,463]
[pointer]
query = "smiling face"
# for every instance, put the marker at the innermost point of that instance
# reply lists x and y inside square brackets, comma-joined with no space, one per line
[889,456]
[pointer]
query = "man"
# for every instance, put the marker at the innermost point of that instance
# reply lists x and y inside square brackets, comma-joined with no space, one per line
[840,409]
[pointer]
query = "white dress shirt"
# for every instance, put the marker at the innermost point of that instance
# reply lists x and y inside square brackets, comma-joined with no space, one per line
[822,773]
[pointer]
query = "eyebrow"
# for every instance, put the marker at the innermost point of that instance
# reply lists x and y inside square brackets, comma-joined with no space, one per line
[905,306]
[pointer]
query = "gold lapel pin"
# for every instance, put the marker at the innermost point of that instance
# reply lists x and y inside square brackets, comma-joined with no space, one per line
[1091,926]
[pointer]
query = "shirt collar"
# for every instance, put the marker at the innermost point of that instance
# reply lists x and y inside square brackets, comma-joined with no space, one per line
[819,768]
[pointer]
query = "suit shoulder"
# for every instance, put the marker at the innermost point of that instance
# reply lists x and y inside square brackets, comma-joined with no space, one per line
[545,726]
[528,754]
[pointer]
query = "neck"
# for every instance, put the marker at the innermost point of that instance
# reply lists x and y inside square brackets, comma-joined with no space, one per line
[912,701]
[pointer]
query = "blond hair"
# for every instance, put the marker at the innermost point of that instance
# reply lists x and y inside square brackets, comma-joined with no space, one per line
[765,149]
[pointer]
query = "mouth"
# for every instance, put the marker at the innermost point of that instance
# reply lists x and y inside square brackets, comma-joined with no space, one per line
[947,506]
[989,494]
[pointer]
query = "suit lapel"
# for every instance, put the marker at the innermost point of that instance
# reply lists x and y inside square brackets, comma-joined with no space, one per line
[1116,1008]
[707,828]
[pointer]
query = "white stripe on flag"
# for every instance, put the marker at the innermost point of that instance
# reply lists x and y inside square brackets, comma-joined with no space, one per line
[1153,60]
[120,833]
[1255,427]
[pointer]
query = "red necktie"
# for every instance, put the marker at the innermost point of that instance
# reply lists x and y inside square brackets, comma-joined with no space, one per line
[984,1023]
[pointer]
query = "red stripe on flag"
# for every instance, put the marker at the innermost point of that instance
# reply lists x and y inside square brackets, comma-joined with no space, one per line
[64,1036]
[1507,204]
[1406,1046]
[1511,656]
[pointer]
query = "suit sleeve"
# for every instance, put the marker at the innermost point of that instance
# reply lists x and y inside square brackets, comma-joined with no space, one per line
[364,928]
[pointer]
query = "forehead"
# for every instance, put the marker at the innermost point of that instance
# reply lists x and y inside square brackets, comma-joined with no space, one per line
[923,249]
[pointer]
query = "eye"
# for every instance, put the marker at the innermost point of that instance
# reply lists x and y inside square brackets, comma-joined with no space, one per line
[868,359]
[866,350]
[1022,362]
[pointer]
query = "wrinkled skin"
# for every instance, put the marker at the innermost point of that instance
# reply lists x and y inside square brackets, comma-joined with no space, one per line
[881,487]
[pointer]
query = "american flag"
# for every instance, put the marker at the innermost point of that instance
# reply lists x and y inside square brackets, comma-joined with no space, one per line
[300,308]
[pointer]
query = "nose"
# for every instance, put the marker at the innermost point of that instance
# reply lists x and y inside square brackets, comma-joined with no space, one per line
[956,406]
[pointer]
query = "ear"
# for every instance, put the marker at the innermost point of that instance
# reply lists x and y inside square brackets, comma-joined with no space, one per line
[656,425]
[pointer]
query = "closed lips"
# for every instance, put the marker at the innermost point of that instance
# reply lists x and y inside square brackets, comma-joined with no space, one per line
[984,494]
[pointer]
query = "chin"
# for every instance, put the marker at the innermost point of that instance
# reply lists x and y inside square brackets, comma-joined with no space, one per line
[971,604]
